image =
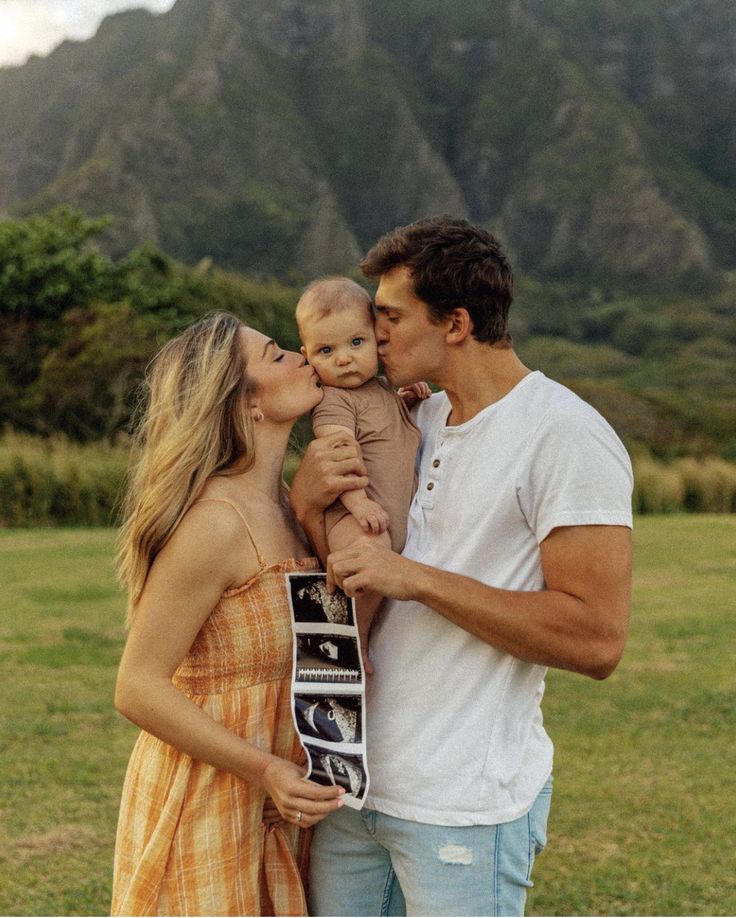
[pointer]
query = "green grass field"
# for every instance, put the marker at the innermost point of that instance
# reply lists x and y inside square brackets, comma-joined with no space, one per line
[645,788]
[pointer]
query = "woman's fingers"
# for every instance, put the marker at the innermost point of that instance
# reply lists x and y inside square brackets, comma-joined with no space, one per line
[313,805]
[292,793]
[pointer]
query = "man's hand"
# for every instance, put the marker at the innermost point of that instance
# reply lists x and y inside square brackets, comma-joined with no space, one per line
[369,565]
[331,465]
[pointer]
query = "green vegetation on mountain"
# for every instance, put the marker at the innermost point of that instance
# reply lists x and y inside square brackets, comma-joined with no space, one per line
[237,141]
[77,329]
[280,137]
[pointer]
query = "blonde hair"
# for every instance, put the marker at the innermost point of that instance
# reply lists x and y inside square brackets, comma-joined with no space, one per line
[195,424]
[329,295]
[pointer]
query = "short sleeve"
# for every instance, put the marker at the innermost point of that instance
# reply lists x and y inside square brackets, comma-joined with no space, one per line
[576,473]
[337,407]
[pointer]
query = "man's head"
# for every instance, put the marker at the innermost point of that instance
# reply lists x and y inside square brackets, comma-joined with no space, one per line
[335,320]
[453,265]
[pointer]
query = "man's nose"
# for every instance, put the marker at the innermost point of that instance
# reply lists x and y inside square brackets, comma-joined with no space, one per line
[381,330]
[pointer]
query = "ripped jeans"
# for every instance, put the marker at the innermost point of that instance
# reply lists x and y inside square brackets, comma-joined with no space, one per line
[367,863]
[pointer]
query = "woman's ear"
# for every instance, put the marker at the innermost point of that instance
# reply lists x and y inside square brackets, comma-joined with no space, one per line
[459,326]
[256,414]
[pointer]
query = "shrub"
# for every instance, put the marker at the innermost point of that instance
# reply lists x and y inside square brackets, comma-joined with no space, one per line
[48,482]
[687,484]
[709,485]
[657,488]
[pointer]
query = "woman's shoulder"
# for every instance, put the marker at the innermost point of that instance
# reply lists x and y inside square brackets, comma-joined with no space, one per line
[213,536]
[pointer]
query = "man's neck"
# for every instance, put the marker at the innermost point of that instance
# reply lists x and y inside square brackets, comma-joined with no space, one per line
[479,377]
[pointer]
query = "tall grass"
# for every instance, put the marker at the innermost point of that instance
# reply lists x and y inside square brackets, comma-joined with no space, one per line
[687,484]
[57,482]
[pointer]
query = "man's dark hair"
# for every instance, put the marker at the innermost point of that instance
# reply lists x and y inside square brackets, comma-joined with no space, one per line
[453,265]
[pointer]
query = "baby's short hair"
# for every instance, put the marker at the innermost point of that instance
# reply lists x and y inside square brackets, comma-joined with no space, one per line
[328,295]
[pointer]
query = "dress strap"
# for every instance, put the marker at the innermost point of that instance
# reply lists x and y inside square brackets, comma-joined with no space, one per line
[223,500]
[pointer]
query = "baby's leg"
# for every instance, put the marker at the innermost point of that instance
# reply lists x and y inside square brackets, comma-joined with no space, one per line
[342,535]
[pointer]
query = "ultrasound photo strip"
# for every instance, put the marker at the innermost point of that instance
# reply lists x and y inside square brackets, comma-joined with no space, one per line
[328,685]
[328,658]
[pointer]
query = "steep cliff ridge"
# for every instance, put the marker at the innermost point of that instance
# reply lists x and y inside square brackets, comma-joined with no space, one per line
[282,136]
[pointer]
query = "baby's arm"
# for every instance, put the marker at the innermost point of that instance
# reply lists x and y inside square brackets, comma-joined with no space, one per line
[414,393]
[371,516]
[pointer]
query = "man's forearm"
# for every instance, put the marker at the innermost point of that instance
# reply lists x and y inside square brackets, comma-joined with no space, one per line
[579,622]
[331,465]
[547,627]
[313,524]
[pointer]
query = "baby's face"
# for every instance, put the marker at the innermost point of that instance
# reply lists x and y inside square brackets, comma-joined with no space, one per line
[342,348]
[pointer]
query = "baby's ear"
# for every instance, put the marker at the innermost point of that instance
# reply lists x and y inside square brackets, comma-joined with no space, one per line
[303,351]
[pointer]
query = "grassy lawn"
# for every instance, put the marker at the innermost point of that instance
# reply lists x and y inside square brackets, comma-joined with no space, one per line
[645,797]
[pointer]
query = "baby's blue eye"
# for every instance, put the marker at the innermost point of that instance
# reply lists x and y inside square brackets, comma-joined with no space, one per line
[325,350]
[356,342]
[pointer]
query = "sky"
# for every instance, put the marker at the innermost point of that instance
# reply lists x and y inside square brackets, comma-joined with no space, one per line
[38,26]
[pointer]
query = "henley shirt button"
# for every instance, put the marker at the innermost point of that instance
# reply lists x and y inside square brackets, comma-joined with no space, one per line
[430,486]
[436,463]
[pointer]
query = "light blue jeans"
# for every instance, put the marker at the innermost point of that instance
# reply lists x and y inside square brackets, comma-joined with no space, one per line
[367,863]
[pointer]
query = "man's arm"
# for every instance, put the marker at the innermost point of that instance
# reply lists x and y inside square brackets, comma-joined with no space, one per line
[330,466]
[370,515]
[579,622]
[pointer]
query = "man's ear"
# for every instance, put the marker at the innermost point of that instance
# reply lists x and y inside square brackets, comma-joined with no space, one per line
[459,326]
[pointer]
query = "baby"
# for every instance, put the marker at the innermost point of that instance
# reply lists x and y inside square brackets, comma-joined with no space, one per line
[335,319]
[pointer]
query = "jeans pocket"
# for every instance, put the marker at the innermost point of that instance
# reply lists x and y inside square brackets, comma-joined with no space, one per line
[538,817]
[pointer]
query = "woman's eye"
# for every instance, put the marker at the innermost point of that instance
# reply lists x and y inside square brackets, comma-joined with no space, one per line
[356,342]
[280,357]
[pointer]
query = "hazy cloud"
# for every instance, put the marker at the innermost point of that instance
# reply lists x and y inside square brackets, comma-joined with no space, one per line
[38,26]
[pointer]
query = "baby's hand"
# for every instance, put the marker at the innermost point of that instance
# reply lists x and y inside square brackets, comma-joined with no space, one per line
[414,393]
[371,516]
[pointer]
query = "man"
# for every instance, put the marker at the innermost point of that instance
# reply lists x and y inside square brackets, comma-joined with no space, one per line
[518,557]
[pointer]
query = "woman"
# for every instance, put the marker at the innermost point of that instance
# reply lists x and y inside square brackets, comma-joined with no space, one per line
[214,797]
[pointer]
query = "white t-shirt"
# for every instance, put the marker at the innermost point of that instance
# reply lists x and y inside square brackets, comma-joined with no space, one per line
[455,732]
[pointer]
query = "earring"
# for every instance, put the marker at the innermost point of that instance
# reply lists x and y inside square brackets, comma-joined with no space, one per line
[257,415]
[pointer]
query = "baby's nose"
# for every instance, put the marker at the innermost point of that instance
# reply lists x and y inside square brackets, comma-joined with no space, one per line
[343,359]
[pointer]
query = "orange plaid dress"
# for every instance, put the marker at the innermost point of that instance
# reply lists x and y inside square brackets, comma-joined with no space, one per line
[190,839]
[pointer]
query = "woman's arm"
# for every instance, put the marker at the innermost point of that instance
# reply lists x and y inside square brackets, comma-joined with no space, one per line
[202,559]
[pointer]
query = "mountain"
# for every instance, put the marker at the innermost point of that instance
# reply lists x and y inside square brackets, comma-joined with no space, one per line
[281,137]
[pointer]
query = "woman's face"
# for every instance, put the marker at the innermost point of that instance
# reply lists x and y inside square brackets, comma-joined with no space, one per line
[287,387]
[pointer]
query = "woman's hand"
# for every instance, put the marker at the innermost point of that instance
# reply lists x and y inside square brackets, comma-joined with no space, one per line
[368,564]
[296,799]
